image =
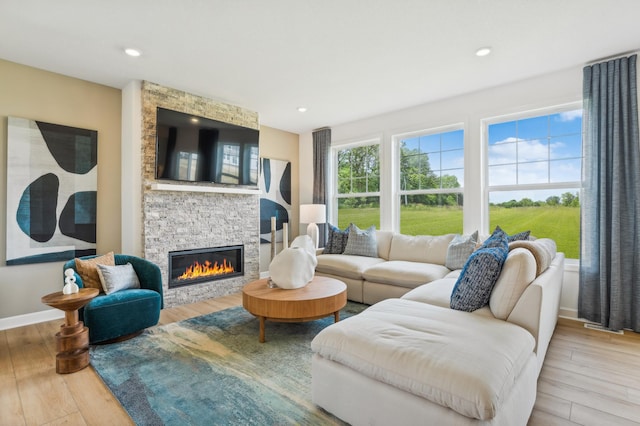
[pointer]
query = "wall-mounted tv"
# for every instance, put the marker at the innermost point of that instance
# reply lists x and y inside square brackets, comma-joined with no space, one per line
[198,149]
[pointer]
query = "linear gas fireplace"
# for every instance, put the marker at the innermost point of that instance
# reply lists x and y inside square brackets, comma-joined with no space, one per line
[188,267]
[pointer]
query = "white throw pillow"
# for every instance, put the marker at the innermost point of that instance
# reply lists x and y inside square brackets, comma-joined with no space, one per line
[119,277]
[518,271]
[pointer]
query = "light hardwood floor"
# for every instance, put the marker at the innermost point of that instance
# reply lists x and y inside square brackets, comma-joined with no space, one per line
[589,377]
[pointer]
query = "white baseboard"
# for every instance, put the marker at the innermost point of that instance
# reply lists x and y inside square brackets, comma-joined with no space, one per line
[28,319]
[568,313]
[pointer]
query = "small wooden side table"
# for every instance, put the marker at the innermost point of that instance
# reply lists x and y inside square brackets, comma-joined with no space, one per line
[72,341]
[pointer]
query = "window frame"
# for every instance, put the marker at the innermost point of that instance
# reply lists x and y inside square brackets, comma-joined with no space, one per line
[396,172]
[505,118]
[333,172]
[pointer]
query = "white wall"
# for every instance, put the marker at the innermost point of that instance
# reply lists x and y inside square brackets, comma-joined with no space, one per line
[545,91]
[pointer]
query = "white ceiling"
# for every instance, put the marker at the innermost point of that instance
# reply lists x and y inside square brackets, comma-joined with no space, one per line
[342,59]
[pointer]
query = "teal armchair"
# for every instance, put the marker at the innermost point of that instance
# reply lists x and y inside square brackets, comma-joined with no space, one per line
[125,313]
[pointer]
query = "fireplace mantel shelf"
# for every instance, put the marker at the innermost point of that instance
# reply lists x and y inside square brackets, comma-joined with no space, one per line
[196,188]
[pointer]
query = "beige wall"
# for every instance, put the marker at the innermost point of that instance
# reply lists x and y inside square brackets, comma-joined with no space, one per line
[35,94]
[281,145]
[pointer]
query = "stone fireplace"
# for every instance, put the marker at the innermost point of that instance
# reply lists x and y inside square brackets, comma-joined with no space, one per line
[178,217]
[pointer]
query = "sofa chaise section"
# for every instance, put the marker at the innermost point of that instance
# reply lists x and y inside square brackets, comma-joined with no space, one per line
[414,360]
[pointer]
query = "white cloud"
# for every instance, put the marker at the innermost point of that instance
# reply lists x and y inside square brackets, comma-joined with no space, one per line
[570,115]
[532,158]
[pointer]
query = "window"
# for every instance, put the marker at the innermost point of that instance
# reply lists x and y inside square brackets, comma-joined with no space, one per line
[358,185]
[534,176]
[431,174]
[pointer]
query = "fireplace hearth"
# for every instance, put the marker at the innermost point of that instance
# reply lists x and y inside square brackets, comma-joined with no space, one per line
[188,267]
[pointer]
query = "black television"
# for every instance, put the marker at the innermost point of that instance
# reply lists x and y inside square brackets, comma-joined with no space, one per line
[197,149]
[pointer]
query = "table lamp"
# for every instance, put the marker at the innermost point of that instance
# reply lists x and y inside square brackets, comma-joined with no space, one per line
[313,214]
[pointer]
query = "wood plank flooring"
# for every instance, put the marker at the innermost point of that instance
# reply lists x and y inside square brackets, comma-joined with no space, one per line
[589,377]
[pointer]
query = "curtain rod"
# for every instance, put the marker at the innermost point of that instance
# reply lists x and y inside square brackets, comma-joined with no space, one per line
[612,57]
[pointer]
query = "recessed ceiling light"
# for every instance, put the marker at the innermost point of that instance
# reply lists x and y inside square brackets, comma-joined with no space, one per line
[302,109]
[483,51]
[194,120]
[132,52]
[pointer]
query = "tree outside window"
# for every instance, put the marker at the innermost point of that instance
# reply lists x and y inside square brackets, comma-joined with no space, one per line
[431,182]
[358,186]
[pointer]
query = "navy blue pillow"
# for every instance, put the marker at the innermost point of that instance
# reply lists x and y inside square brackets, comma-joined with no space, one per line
[520,236]
[479,274]
[337,240]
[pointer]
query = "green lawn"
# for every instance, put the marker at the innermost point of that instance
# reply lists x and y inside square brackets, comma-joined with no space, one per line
[560,223]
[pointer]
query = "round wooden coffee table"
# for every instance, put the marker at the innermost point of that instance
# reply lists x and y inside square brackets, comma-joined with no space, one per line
[320,298]
[72,341]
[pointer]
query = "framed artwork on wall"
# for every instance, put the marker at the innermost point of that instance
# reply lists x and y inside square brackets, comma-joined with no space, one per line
[51,191]
[275,198]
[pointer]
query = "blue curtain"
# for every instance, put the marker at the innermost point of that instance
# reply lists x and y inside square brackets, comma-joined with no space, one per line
[610,234]
[321,148]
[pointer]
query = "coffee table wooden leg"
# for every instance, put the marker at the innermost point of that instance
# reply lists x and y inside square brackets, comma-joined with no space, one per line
[261,339]
[336,316]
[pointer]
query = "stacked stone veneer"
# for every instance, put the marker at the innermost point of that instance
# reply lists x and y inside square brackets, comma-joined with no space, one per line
[178,220]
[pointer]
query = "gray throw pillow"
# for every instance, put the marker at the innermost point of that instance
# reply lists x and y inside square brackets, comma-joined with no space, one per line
[481,271]
[119,277]
[337,240]
[362,243]
[459,250]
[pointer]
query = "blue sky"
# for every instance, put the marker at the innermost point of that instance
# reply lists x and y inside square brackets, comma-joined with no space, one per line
[537,150]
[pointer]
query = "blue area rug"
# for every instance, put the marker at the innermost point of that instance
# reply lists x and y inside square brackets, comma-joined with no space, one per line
[211,370]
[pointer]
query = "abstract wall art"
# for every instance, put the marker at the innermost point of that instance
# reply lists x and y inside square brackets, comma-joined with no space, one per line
[51,191]
[275,200]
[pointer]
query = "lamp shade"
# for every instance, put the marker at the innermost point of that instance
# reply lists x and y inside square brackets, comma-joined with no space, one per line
[313,213]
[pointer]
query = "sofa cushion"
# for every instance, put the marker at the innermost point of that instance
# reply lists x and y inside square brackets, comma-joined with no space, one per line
[109,316]
[404,274]
[436,293]
[468,363]
[459,250]
[480,273]
[420,248]
[362,242]
[337,240]
[384,243]
[345,265]
[518,271]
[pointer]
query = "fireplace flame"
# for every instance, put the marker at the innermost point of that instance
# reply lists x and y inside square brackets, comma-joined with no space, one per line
[199,270]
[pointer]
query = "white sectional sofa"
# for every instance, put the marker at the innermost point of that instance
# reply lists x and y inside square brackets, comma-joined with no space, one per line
[412,360]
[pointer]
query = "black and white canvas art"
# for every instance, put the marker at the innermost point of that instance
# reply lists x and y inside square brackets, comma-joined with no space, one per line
[275,200]
[51,191]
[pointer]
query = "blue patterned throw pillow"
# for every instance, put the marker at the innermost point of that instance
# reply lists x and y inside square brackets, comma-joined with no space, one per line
[479,274]
[520,236]
[362,243]
[337,240]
